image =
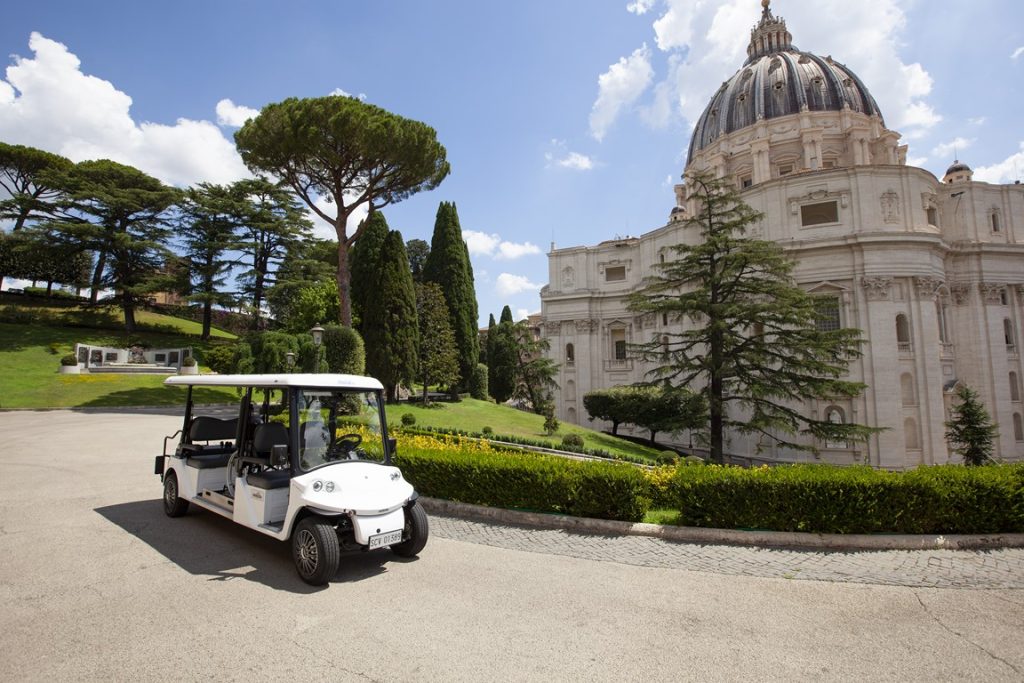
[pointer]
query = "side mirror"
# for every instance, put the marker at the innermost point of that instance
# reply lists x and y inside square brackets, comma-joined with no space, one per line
[278,455]
[393,447]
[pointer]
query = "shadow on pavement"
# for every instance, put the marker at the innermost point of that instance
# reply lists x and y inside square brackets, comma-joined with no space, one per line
[205,544]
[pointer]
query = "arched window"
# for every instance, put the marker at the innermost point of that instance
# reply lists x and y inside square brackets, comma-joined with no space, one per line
[835,415]
[1011,340]
[570,390]
[907,389]
[664,346]
[571,415]
[570,354]
[902,332]
[995,221]
[1014,387]
[910,436]
[1018,427]
[941,313]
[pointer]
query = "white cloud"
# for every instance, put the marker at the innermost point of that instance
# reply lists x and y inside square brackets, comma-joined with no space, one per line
[1018,52]
[618,88]
[521,314]
[344,93]
[47,102]
[977,120]
[640,6]
[508,284]
[917,162]
[706,41]
[234,115]
[1006,171]
[576,161]
[483,244]
[325,230]
[951,148]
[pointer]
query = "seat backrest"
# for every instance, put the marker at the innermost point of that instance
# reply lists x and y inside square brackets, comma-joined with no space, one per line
[205,428]
[267,436]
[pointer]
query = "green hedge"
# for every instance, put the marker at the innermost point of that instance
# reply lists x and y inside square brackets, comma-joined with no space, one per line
[825,499]
[530,482]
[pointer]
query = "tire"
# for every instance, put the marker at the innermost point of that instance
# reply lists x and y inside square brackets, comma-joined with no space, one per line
[315,550]
[417,529]
[174,505]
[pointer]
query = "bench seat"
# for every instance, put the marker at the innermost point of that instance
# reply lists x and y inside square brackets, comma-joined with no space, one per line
[269,479]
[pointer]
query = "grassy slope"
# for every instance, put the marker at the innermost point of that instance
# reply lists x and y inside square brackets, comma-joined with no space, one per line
[472,415]
[29,375]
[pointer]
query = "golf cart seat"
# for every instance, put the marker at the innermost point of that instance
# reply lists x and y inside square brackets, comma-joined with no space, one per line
[264,438]
[218,438]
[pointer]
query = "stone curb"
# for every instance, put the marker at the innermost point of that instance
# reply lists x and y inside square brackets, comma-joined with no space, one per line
[767,539]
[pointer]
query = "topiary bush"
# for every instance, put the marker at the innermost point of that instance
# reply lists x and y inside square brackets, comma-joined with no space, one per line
[188,362]
[221,359]
[487,431]
[531,482]
[408,419]
[478,387]
[344,350]
[825,499]
[572,441]
[69,360]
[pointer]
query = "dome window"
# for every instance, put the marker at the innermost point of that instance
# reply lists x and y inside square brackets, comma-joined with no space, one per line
[742,97]
[779,85]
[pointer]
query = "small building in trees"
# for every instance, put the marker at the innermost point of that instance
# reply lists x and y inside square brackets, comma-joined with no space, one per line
[930,270]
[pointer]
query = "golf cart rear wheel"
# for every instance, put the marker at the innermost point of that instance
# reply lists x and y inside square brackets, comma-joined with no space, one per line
[315,550]
[416,532]
[174,504]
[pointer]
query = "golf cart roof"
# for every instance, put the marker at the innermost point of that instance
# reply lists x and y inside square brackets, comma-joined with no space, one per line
[307,381]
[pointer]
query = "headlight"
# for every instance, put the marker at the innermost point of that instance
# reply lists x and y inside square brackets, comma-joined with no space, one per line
[317,485]
[329,487]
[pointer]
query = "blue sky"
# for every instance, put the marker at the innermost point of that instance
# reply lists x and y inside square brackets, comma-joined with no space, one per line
[564,120]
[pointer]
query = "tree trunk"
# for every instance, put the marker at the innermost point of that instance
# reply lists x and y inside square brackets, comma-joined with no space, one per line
[344,276]
[97,276]
[129,314]
[257,298]
[653,443]
[615,427]
[207,318]
[49,289]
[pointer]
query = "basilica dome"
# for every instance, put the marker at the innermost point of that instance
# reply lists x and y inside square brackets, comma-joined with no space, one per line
[778,80]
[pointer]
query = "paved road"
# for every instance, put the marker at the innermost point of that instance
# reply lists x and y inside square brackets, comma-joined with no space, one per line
[97,584]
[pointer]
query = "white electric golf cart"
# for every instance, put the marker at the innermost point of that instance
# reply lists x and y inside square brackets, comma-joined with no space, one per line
[307,458]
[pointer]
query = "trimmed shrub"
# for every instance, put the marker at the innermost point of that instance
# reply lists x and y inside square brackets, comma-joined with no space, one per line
[825,499]
[572,441]
[188,362]
[487,431]
[69,360]
[221,359]
[478,387]
[408,419]
[269,351]
[54,348]
[531,482]
[344,350]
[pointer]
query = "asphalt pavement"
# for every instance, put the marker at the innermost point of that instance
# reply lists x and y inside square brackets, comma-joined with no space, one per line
[98,584]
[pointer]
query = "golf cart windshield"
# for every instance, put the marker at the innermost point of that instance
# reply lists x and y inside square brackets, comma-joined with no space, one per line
[337,426]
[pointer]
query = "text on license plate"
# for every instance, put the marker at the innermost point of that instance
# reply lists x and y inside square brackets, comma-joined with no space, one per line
[381,540]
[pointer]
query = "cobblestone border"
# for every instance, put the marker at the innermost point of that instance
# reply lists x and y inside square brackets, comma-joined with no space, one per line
[766,539]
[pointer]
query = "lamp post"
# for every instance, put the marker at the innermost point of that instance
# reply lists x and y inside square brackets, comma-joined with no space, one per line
[318,339]
[290,360]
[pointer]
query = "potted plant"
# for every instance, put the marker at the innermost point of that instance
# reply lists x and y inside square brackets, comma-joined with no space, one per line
[69,364]
[189,366]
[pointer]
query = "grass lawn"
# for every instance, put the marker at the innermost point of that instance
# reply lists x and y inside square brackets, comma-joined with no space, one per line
[472,415]
[29,375]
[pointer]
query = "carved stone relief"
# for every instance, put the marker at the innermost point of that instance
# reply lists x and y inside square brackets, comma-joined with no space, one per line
[992,292]
[927,287]
[568,278]
[552,327]
[876,288]
[890,207]
[960,291]
[587,325]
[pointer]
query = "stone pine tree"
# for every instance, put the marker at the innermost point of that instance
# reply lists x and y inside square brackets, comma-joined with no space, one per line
[438,357]
[970,433]
[348,152]
[392,332]
[364,261]
[207,228]
[502,357]
[448,265]
[121,214]
[752,348]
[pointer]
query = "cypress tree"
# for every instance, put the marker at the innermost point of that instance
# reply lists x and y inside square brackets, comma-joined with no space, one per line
[438,362]
[364,261]
[448,265]
[389,319]
[501,345]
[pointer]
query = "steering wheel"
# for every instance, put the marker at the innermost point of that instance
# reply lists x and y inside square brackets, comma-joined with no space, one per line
[345,445]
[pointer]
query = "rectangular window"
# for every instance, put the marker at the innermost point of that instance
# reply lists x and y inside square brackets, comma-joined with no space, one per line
[615,274]
[933,216]
[828,163]
[785,169]
[819,214]
[618,344]
[745,182]
[827,313]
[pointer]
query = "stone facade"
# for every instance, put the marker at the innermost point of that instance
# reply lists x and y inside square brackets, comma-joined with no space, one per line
[931,272]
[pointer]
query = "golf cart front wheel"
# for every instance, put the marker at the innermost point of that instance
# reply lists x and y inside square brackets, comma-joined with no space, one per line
[315,550]
[416,531]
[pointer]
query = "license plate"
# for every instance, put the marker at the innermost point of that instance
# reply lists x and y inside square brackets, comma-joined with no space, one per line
[381,540]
